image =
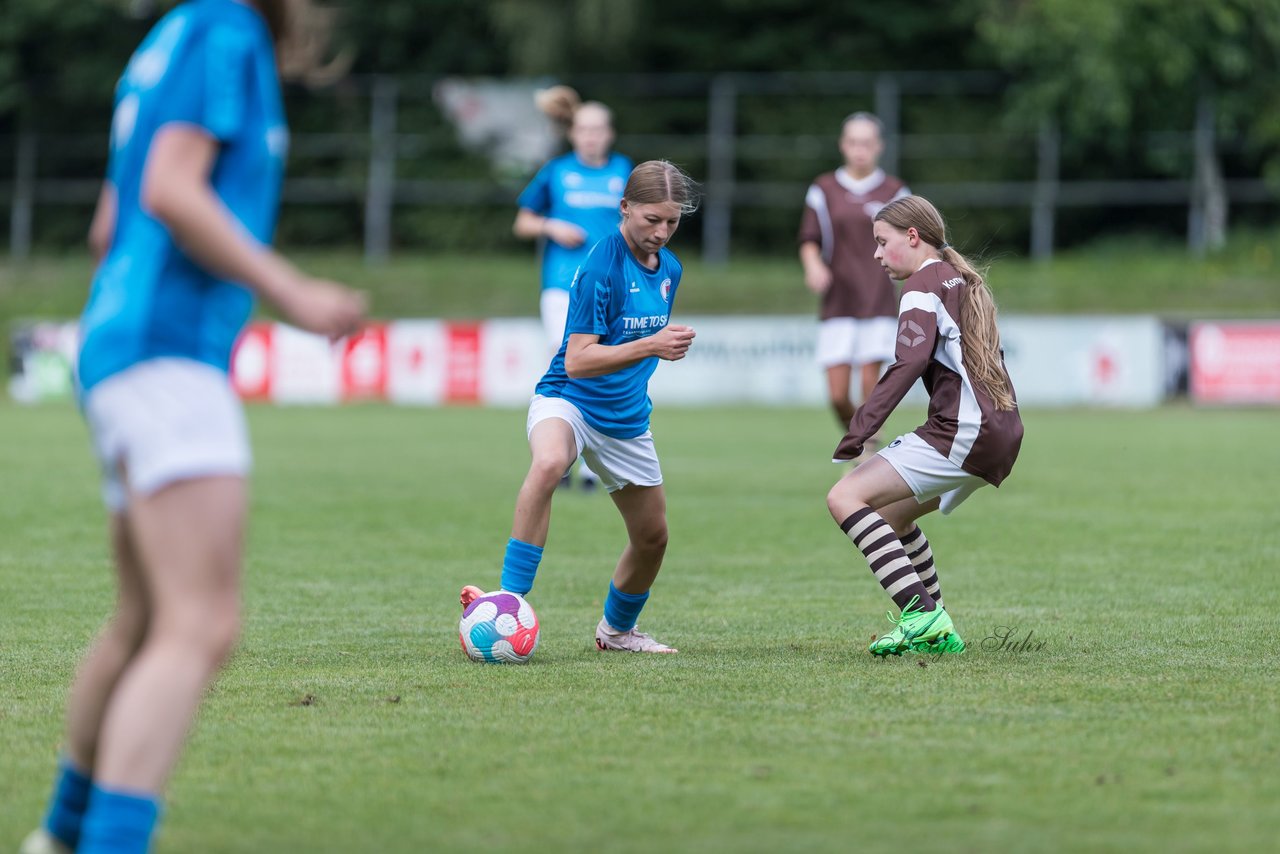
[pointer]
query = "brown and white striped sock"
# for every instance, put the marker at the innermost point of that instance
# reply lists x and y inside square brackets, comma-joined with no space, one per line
[889,562]
[917,548]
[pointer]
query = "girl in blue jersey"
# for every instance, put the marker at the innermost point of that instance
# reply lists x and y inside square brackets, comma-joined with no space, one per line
[594,401]
[571,204]
[183,225]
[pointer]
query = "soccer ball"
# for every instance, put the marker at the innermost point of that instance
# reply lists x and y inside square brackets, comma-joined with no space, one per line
[499,627]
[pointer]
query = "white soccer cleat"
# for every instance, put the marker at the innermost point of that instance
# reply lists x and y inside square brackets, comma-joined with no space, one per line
[631,641]
[41,841]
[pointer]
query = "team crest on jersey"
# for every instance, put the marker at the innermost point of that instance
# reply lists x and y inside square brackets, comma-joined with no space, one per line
[872,208]
[616,184]
[572,179]
[910,333]
[665,290]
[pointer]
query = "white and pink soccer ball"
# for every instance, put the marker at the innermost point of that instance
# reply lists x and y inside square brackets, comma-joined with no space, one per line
[499,627]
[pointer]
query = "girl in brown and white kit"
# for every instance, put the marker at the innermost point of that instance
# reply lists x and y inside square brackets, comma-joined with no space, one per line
[947,337]
[857,299]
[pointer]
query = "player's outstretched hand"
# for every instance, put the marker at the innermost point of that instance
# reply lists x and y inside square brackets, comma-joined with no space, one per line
[672,343]
[817,277]
[566,234]
[848,450]
[324,307]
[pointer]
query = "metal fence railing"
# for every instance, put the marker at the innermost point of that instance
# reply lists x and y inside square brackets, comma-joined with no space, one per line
[716,132]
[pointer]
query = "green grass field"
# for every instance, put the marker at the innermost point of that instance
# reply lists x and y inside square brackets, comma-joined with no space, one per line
[1137,550]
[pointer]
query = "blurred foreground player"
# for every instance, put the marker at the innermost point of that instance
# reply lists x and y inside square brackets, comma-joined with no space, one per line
[182,229]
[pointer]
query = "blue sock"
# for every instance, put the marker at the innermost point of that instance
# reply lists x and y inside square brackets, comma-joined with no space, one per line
[119,822]
[520,565]
[68,804]
[621,610]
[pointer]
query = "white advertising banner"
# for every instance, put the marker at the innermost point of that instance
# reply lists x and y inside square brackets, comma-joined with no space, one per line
[1065,361]
[416,362]
[513,357]
[760,360]
[763,361]
[304,367]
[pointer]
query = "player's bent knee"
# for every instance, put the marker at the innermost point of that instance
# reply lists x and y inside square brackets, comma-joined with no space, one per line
[841,501]
[209,634]
[128,628]
[900,527]
[546,470]
[653,540]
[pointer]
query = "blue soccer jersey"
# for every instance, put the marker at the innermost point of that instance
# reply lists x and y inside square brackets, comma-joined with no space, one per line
[209,64]
[587,196]
[616,297]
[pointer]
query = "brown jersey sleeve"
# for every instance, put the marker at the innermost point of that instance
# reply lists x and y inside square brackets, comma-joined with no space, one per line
[917,335]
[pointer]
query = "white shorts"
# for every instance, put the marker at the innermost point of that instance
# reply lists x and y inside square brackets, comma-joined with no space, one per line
[929,474]
[554,305]
[162,421]
[618,462]
[856,341]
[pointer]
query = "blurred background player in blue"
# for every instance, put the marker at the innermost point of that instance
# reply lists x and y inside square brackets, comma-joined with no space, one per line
[594,400]
[182,228]
[570,205]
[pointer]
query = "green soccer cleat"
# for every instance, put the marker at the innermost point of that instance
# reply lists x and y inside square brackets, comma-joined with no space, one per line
[952,644]
[913,627]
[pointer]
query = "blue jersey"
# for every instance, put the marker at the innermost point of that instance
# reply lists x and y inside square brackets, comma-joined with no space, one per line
[209,64]
[587,196]
[616,297]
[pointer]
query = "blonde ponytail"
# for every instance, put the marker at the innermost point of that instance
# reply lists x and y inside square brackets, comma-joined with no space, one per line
[979,334]
[558,103]
[301,32]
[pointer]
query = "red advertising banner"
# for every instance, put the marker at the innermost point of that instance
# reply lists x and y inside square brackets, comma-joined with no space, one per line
[253,362]
[462,371]
[1235,362]
[364,364]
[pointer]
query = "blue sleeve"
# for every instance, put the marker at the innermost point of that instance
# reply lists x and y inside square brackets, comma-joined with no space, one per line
[209,84]
[537,196]
[589,304]
[677,273]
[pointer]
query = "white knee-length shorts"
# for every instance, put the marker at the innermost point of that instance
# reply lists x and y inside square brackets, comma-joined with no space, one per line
[928,473]
[856,341]
[618,462]
[162,421]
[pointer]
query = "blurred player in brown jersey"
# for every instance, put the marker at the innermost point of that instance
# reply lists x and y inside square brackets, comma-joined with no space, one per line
[947,337]
[858,308]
